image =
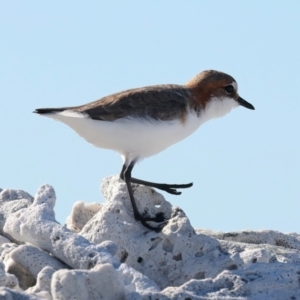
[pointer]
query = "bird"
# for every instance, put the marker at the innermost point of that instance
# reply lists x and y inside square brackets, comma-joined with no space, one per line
[141,122]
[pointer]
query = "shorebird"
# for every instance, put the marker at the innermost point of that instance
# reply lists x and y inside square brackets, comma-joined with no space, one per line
[140,122]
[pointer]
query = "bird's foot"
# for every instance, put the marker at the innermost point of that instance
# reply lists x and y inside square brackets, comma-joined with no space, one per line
[169,188]
[172,188]
[159,218]
[158,228]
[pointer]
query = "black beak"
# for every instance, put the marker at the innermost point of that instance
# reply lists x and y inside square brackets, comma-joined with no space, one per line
[244,103]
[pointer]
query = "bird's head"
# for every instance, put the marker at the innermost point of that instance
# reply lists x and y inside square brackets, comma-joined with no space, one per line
[217,92]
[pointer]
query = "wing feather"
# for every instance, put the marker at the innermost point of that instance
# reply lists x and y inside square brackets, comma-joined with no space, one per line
[164,102]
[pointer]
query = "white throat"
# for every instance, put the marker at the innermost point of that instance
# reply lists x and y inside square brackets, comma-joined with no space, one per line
[216,108]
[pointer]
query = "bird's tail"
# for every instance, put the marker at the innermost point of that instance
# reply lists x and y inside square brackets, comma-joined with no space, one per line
[44,111]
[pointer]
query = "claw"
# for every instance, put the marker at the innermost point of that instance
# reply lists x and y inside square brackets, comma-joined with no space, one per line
[173,191]
[157,229]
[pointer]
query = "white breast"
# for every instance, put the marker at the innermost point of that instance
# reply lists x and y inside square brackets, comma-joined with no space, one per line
[133,138]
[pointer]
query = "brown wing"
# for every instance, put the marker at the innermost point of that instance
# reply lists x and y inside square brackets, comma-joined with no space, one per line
[161,102]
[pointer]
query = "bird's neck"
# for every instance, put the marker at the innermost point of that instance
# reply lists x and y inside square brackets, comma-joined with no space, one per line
[216,108]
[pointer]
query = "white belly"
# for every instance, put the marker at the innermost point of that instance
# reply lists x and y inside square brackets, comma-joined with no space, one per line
[133,138]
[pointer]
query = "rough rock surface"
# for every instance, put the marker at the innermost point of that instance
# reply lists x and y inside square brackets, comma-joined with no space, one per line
[81,214]
[10,202]
[103,253]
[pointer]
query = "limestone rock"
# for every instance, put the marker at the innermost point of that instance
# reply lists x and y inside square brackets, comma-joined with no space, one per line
[81,214]
[105,253]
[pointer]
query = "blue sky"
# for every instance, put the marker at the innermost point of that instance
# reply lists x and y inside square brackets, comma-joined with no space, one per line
[245,166]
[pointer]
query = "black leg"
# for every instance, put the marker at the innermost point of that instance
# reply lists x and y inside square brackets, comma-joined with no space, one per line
[126,176]
[169,188]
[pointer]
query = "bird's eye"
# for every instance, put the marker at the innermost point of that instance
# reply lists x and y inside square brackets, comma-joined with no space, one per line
[229,89]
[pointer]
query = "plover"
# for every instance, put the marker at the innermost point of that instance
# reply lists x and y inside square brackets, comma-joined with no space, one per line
[140,122]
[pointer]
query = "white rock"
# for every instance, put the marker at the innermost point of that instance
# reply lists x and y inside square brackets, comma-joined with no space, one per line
[177,256]
[24,277]
[4,240]
[43,284]
[7,195]
[37,225]
[7,280]
[270,237]
[33,260]
[225,286]
[9,294]
[177,263]
[171,257]
[10,202]
[136,283]
[81,214]
[101,282]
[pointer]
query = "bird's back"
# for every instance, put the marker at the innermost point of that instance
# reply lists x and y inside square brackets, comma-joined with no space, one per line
[159,102]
